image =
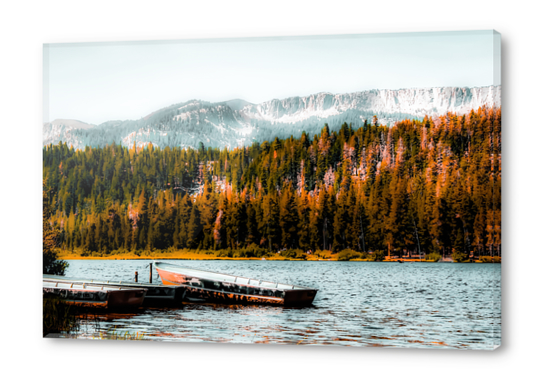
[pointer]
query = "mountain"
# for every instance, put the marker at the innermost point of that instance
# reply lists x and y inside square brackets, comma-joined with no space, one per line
[238,122]
[61,130]
[237,104]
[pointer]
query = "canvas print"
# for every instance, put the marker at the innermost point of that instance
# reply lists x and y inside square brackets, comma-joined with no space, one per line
[317,190]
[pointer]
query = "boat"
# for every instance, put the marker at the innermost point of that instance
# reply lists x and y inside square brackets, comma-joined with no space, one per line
[215,287]
[157,294]
[95,295]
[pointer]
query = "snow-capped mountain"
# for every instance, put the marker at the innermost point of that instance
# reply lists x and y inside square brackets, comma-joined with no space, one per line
[416,102]
[238,122]
[61,130]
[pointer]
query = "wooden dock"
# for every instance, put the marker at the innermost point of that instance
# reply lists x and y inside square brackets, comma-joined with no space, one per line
[95,295]
[156,294]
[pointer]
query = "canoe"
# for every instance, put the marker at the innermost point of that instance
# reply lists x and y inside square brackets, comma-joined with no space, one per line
[223,288]
[157,294]
[95,295]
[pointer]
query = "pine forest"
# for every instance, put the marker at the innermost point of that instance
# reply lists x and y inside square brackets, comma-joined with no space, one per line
[418,188]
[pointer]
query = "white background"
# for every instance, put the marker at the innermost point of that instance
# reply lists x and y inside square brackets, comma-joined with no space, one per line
[25,26]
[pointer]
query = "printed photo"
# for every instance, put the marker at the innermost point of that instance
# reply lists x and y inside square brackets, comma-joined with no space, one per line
[316,190]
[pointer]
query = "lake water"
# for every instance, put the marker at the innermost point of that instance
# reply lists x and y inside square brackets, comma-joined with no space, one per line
[422,305]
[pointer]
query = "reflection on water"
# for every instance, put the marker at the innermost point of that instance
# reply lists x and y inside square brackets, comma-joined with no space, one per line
[429,305]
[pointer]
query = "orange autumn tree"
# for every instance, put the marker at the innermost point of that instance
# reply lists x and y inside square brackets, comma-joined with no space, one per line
[419,187]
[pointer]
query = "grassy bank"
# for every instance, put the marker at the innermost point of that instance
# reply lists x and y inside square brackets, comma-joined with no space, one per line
[188,255]
[244,254]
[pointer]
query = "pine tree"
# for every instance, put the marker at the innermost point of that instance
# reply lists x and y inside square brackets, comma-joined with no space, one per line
[208,203]
[194,228]
[340,222]
[420,186]
[270,221]
[289,218]
[303,226]
[51,264]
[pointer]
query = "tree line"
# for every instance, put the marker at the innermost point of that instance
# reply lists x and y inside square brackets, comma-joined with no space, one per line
[418,187]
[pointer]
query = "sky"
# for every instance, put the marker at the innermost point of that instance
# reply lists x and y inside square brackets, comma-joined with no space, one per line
[98,82]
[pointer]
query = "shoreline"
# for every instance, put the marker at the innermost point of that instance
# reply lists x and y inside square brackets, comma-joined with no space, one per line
[205,257]
[180,255]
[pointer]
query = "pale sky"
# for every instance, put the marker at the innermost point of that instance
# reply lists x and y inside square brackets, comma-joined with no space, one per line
[98,82]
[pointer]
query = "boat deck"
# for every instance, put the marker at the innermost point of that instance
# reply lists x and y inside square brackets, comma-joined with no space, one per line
[95,295]
[155,292]
[218,287]
[218,277]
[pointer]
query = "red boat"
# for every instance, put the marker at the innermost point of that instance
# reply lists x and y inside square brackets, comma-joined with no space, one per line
[156,295]
[223,288]
[95,296]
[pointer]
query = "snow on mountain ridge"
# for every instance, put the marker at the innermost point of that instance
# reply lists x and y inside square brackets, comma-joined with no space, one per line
[61,129]
[237,104]
[234,122]
[417,102]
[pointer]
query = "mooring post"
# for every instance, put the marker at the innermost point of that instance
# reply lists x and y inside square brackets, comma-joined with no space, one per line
[136,276]
[150,273]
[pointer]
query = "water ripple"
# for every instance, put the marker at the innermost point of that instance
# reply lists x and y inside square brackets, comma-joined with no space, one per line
[424,305]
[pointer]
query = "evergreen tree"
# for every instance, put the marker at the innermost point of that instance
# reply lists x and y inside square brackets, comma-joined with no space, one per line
[289,218]
[417,187]
[51,264]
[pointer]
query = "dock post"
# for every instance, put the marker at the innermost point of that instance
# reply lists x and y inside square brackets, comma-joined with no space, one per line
[136,276]
[150,273]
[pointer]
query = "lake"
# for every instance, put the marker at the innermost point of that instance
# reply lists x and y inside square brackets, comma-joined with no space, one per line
[421,305]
